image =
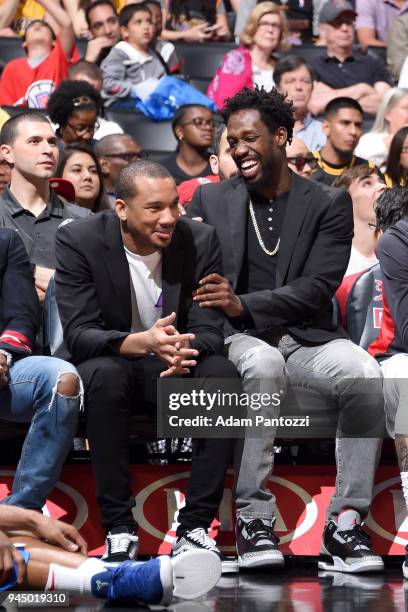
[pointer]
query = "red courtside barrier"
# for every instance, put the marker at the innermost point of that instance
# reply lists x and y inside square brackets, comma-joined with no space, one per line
[302,495]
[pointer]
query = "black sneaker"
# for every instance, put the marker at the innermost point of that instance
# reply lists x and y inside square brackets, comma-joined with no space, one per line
[257,545]
[348,550]
[198,539]
[405,564]
[121,544]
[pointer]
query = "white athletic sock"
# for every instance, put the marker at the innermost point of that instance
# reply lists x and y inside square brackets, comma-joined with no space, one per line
[76,580]
[404,483]
[347,519]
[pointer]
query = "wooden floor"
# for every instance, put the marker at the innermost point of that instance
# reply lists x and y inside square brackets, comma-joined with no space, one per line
[301,588]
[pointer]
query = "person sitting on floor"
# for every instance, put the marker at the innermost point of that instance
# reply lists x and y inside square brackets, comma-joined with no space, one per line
[51,556]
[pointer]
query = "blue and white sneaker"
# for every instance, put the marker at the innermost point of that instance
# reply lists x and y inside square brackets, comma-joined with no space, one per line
[157,581]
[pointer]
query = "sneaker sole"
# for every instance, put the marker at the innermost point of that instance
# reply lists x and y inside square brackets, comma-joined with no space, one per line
[230,566]
[194,573]
[270,559]
[338,565]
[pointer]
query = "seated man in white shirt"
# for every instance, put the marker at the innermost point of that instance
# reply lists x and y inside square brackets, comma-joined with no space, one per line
[365,186]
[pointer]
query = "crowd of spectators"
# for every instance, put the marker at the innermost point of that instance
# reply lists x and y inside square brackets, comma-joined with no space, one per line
[338,74]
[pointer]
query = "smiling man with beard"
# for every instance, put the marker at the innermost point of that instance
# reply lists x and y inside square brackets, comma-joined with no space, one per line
[286,243]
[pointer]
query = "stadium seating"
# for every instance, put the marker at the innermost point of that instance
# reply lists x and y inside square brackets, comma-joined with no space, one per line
[52,334]
[380,52]
[155,137]
[11,48]
[364,307]
[201,61]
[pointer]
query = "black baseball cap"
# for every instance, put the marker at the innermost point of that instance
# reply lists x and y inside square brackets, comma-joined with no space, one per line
[333,8]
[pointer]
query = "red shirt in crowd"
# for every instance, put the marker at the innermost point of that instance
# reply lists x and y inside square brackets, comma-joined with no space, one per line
[22,85]
[186,189]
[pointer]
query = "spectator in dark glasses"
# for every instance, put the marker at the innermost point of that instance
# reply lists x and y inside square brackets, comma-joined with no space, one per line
[114,152]
[300,159]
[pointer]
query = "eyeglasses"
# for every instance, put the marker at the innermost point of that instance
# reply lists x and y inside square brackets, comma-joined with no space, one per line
[200,122]
[82,100]
[266,24]
[80,130]
[404,150]
[128,157]
[300,161]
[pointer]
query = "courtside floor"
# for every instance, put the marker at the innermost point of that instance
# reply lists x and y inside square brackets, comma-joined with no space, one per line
[300,588]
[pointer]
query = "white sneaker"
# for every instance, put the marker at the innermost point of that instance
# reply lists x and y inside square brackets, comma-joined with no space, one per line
[121,545]
[198,539]
[189,575]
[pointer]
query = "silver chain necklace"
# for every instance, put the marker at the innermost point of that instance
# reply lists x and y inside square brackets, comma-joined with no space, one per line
[258,233]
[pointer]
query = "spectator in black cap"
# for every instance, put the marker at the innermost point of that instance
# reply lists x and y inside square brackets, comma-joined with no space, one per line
[342,72]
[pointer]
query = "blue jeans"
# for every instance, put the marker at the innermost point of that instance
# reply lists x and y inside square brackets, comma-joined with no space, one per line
[31,395]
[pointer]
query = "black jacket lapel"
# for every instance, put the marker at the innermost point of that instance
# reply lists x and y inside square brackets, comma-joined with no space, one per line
[298,203]
[172,267]
[118,269]
[236,202]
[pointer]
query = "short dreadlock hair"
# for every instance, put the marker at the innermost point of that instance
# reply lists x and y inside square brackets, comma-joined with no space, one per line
[274,108]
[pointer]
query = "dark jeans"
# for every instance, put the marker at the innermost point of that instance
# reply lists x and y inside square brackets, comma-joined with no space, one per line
[114,388]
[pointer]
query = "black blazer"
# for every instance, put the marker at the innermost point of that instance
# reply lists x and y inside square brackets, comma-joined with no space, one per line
[19,307]
[313,256]
[93,285]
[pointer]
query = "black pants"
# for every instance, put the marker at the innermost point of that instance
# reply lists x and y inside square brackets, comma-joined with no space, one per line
[114,388]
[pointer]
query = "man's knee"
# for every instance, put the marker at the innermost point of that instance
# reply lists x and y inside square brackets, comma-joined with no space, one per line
[104,371]
[217,366]
[358,364]
[262,361]
[68,384]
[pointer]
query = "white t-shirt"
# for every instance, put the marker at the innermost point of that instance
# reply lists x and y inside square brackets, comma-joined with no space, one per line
[372,147]
[359,262]
[146,290]
[262,78]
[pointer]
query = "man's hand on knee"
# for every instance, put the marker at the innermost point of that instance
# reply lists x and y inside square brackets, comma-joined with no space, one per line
[215,291]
